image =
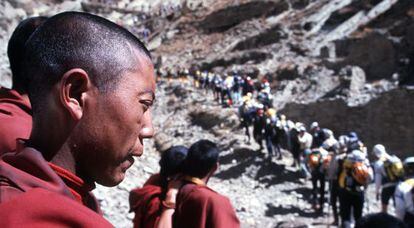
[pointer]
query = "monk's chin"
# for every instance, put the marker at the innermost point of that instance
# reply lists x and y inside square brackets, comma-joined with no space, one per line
[113,181]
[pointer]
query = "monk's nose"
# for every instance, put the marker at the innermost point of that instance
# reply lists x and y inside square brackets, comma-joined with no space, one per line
[147,130]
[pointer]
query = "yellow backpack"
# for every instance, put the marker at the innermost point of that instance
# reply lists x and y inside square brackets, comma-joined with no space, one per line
[394,169]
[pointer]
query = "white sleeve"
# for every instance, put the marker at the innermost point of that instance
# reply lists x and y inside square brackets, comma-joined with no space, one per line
[399,202]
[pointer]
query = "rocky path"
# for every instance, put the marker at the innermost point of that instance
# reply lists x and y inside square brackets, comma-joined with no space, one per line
[265,192]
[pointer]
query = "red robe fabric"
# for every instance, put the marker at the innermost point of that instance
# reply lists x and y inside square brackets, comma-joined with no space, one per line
[145,202]
[15,119]
[32,194]
[199,206]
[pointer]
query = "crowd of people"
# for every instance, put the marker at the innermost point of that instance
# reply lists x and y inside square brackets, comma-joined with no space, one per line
[80,108]
[322,158]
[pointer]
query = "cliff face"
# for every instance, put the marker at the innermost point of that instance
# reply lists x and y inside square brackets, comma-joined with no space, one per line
[387,119]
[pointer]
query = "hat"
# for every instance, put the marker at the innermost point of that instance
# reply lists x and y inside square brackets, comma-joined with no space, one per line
[409,160]
[353,135]
[302,128]
[329,133]
[314,125]
[358,155]
[379,150]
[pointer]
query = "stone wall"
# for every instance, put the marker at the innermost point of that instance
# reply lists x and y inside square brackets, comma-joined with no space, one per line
[388,119]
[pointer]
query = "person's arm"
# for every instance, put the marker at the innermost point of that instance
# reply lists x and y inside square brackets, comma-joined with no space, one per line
[378,179]
[168,205]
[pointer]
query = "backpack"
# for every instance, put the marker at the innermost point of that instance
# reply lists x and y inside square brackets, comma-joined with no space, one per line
[354,175]
[394,169]
[360,173]
[315,159]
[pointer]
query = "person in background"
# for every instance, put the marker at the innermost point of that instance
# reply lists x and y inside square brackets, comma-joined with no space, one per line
[355,174]
[15,108]
[388,172]
[404,204]
[146,202]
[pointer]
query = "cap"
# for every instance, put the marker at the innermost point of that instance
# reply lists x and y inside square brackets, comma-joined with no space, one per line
[314,125]
[379,150]
[409,160]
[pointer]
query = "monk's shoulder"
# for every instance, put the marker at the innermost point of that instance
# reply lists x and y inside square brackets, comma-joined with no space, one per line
[142,196]
[204,193]
[42,208]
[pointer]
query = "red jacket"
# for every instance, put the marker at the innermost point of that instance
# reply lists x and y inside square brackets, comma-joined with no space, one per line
[145,202]
[33,193]
[199,206]
[15,119]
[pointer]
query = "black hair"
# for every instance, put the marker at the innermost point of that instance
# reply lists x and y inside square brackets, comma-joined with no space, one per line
[379,220]
[201,158]
[16,50]
[70,40]
[171,160]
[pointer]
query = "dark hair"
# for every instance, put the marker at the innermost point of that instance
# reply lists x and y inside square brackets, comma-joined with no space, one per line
[379,220]
[171,160]
[70,40]
[201,158]
[16,50]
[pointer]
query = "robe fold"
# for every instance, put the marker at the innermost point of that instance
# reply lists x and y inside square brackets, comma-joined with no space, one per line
[35,193]
[145,202]
[15,119]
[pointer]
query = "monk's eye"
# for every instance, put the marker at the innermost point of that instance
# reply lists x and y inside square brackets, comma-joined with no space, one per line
[147,104]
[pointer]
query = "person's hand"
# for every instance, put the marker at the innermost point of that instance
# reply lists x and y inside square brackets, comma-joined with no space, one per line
[174,185]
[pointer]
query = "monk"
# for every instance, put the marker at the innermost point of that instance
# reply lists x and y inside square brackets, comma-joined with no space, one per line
[15,109]
[146,202]
[197,205]
[91,90]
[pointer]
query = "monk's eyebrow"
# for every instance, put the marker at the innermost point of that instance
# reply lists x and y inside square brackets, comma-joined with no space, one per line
[147,92]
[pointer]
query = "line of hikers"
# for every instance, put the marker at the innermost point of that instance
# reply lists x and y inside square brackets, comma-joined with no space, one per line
[342,163]
[79,111]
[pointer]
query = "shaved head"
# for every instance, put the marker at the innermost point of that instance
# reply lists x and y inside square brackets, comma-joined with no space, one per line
[15,50]
[103,49]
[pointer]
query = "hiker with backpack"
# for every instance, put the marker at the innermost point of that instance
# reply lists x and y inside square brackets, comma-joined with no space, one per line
[305,142]
[259,123]
[354,175]
[317,162]
[246,114]
[388,172]
[270,134]
[335,151]
[404,205]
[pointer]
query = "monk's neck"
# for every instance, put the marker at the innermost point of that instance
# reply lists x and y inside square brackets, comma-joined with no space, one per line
[64,159]
[53,145]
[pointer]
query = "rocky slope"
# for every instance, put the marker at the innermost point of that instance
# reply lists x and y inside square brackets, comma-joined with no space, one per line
[347,64]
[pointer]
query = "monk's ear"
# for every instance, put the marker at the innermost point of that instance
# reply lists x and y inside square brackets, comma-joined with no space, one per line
[74,84]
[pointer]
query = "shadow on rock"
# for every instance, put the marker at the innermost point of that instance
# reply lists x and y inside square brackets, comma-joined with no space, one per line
[281,210]
[304,192]
[271,173]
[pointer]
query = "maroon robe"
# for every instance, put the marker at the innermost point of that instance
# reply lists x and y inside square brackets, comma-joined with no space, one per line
[145,202]
[35,193]
[198,206]
[15,119]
